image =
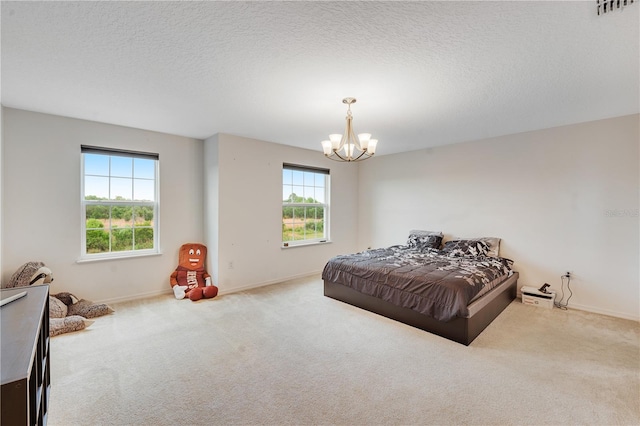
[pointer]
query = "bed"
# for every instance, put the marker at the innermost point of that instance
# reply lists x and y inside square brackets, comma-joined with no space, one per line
[453,290]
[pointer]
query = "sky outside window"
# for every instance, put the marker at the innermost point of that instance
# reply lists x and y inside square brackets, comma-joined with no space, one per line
[109,176]
[303,184]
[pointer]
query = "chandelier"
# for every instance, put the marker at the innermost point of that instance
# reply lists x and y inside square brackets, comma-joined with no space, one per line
[347,147]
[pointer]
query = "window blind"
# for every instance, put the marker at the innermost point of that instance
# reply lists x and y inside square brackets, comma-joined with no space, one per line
[87,149]
[287,166]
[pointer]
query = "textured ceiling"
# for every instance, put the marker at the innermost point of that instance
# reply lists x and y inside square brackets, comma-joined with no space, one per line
[424,73]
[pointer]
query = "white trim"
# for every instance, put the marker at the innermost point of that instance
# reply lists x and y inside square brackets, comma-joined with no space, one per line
[156,209]
[155,204]
[83,210]
[303,243]
[138,296]
[601,311]
[221,292]
[117,255]
[594,310]
[283,280]
[325,208]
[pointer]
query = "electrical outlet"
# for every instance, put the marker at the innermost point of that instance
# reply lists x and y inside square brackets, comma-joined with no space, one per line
[567,274]
[231,264]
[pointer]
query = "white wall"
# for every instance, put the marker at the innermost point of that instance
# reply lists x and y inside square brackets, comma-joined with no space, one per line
[41,205]
[249,197]
[561,199]
[211,205]
[1,180]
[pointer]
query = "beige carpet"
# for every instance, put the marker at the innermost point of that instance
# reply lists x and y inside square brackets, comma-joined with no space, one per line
[285,354]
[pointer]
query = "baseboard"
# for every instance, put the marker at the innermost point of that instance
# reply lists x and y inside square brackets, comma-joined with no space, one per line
[137,296]
[599,311]
[606,312]
[224,291]
[221,291]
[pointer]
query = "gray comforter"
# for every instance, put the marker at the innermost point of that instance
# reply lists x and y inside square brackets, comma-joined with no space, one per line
[428,281]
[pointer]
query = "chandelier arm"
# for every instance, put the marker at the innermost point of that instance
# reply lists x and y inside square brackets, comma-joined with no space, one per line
[358,158]
[347,130]
[345,137]
[353,137]
[363,156]
[337,154]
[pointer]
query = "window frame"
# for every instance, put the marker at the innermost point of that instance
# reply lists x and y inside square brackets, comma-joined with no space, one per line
[155,204]
[325,205]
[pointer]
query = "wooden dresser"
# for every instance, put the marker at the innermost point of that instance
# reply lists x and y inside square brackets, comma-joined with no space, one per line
[25,356]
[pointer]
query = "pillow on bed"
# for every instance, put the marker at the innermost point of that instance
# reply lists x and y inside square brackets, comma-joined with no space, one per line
[424,239]
[492,242]
[457,248]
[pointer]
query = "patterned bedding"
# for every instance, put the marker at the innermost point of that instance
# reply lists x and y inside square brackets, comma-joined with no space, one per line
[430,281]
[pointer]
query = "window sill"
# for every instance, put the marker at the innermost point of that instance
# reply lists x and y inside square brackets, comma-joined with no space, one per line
[311,243]
[101,258]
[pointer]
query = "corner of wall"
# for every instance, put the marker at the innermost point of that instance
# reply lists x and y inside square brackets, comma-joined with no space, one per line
[560,199]
[38,140]
[211,202]
[249,179]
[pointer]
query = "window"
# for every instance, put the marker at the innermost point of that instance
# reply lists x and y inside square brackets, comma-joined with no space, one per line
[119,203]
[305,205]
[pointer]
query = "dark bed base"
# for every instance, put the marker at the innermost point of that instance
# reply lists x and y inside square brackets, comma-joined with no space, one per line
[461,330]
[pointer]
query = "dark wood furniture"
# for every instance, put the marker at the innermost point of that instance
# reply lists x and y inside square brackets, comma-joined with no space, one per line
[25,357]
[462,330]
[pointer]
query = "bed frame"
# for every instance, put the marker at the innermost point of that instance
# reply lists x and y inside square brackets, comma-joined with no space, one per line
[461,330]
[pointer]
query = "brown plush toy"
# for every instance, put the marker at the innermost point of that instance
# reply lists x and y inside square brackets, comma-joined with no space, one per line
[190,277]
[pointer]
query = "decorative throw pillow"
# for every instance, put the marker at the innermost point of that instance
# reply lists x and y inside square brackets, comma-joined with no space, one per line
[456,248]
[494,246]
[492,242]
[57,309]
[88,309]
[22,276]
[424,239]
[66,298]
[67,325]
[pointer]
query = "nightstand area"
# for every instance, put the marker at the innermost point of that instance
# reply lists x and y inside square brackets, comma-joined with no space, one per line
[533,296]
[25,356]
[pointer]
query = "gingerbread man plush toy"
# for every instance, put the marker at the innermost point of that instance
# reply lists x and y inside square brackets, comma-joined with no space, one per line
[190,277]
